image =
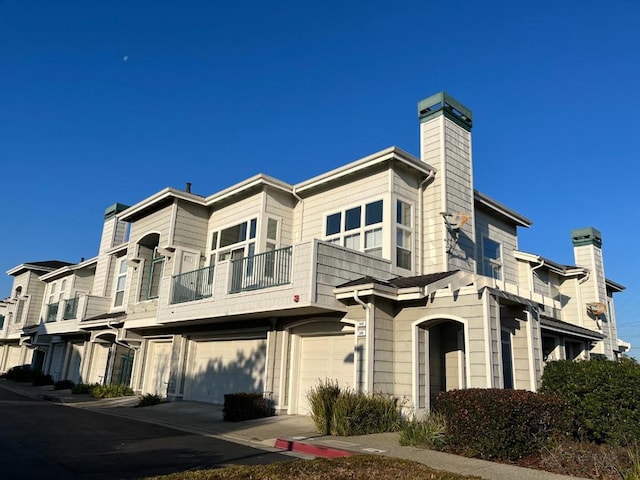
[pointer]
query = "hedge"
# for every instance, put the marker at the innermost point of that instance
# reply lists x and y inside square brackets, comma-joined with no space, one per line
[603,396]
[501,424]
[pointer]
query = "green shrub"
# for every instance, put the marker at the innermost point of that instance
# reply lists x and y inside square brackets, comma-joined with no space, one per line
[111,391]
[428,431]
[603,396]
[501,424]
[345,412]
[321,399]
[63,385]
[149,400]
[83,388]
[40,379]
[21,373]
[244,406]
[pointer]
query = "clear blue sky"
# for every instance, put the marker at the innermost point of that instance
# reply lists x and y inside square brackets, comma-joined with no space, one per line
[215,92]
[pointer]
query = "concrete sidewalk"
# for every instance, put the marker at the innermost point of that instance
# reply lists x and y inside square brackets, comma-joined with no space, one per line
[298,432]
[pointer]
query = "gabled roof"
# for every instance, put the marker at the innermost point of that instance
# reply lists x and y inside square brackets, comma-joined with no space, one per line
[388,154]
[68,269]
[496,208]
[552,324]
[41,266]
[398,288]
[400,282]
[613,286]
[565,270]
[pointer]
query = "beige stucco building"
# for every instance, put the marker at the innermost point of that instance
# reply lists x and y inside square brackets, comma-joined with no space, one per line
[390,274]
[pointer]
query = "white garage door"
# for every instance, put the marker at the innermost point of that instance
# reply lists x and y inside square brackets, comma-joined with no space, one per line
[324,357]
[157,368]
[55,365]
[13,357]
[99,359]
[224,366]
[75,360]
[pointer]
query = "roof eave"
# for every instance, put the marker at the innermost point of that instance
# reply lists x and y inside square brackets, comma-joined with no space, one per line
[502,210]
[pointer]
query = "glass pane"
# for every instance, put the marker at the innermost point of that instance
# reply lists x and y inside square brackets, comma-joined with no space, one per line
[376,252]
[403,258]
[214,240]
[403,238]
[373,213]
[119,299]
[122,280]
[63,286]
[272,229]
[154,278]
[333,224]
[335,241]
[235,234]
[123,267]
[352,241]
[491,249]
[403,213]
[352,218]
[373,238]
[252,228]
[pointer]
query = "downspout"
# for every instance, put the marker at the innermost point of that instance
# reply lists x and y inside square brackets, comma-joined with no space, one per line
[532,361]
[429,177]
[299,198]
[369,368]
[118,342]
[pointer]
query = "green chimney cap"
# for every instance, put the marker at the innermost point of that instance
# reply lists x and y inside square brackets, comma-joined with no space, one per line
[114,209]
[586,236]
[444,104]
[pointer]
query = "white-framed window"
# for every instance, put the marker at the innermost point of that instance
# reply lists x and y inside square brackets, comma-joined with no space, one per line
[121,280]
[491,258]
[156,266]
[507,359]
[404,235]
[234,242]
[358,228]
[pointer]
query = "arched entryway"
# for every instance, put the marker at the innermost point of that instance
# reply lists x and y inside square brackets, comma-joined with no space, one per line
[441,359]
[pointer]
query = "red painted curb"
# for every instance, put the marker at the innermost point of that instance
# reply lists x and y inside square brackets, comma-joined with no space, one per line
[310,449]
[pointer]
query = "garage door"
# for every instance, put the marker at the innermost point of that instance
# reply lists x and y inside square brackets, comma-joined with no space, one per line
[324,357]
[13,357]
[157,368]
[73,369]
[224,366]
[55,365]
[99,359]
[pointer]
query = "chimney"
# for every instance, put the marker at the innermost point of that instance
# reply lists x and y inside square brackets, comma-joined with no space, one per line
[445,143]
[587,252]
[188,187]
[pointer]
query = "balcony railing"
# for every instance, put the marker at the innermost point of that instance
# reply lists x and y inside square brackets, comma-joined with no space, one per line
[52,312]
[70,309]
[194,285]
[264,270]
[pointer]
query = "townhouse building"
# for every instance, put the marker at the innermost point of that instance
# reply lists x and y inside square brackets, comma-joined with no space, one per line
[389,274]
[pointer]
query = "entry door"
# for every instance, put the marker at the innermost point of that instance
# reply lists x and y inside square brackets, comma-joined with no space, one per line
[55,366]
[157,368]
[99,361]
[75,359]
[185,286]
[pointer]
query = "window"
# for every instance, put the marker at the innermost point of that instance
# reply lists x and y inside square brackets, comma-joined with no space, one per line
[507,361]
[403,235]
[358,228]
[491,258]
[155,274]
[1,322]
[237,238]
[121,280]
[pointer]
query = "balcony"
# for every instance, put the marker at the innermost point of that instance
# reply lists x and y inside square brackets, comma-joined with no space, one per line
[299,277]
[52,312]
[264,270]
[70,309]
[190,286]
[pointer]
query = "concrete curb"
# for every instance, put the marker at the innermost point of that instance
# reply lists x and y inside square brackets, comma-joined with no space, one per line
[310,449]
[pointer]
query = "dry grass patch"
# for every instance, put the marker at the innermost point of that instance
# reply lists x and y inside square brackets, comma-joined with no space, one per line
[357,467]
